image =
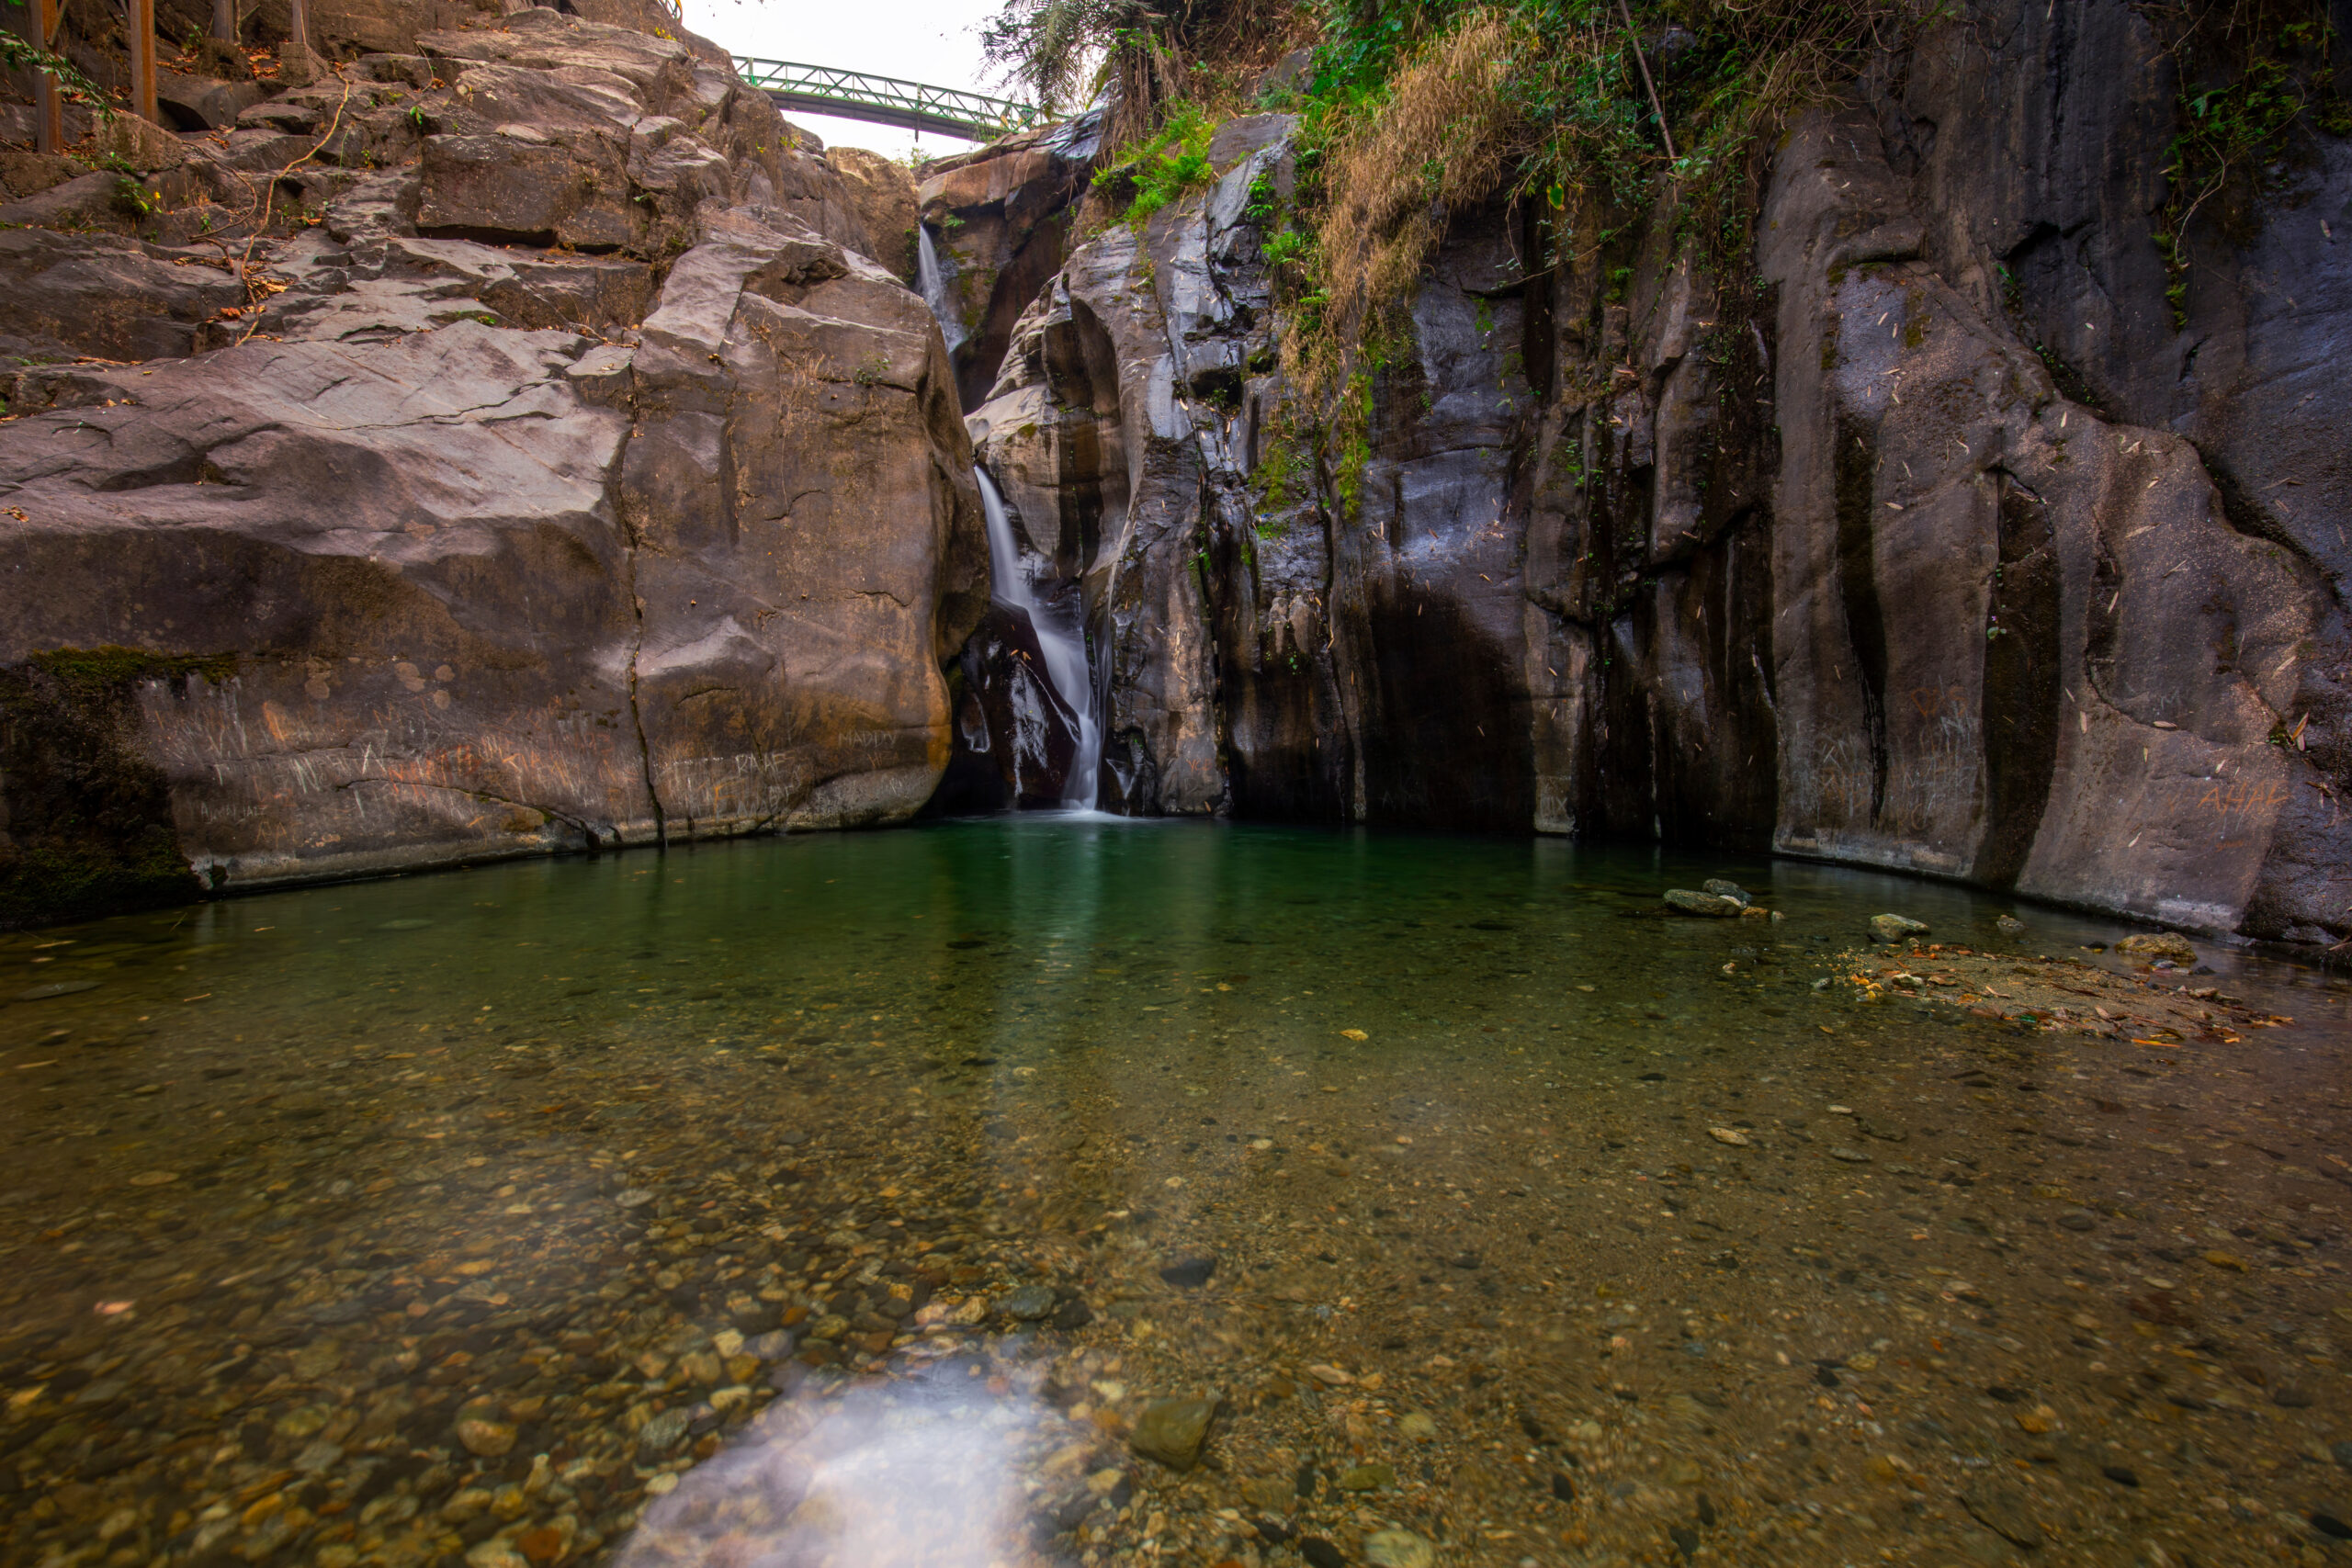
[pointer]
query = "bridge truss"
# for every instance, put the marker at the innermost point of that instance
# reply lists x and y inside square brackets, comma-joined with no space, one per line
[885,101]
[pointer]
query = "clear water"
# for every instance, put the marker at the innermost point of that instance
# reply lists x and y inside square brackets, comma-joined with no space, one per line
[679,1208]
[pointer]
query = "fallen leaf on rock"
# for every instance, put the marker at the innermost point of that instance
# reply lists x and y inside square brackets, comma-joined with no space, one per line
[1728,1136]
[1356,1034]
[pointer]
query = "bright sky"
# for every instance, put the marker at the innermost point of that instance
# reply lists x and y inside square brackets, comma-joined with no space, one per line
[932,41]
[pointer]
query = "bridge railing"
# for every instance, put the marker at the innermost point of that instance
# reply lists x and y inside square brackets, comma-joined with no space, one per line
[885,101]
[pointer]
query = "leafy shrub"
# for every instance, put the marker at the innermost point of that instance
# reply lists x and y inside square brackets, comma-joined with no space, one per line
[1175,160]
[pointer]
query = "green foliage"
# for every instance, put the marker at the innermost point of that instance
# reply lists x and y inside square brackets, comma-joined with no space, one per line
[1417,109]
[19,53]
[2253,72]
[131,197]
[1590,121]
[1282,478]
[1174,160]
[1352,446]
[1138,56]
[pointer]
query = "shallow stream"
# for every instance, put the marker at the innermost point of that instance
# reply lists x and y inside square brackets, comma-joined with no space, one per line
[889,1197]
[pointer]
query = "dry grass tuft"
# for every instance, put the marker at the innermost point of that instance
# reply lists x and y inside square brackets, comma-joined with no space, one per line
[1437,143]
[1440,139]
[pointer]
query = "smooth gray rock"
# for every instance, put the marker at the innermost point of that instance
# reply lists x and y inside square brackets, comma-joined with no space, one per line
[199,103]
[1029,1303]
[1684,901]
[106,296]
[1759,586]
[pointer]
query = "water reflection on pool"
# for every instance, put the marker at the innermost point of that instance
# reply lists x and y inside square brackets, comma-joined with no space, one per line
[1064,1189]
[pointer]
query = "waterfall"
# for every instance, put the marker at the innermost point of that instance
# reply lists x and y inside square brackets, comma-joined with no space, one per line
[933,280]
[1060,638]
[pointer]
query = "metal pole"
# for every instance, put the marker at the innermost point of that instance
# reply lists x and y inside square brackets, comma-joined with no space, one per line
[141,21]
[49,104]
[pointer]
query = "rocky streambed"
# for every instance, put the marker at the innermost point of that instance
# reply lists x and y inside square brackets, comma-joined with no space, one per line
[1058,1191]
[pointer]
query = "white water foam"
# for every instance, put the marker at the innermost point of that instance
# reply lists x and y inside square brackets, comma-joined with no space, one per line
[1059,639]
[931,278]
[886,1476]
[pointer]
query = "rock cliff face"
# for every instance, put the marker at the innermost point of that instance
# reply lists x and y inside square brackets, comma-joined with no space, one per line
[1937,543]
[883,192]
[562,474]
[999,223]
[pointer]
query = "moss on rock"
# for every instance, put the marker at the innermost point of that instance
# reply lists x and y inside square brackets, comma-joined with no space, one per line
[88,826]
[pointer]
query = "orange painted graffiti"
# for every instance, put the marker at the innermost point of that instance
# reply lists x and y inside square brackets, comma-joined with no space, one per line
[2242,796]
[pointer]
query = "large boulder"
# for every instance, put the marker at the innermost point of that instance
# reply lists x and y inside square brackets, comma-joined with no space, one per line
[1122,429]
[479,591]
[486,515]
[106,296]
[202,103]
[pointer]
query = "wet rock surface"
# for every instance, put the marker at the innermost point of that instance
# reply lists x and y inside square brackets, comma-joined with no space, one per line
[1000,221]
[1900,548]
[651,1210]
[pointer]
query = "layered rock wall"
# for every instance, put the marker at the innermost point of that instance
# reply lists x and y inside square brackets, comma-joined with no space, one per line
[564,474]
[1931,540]
[506,443]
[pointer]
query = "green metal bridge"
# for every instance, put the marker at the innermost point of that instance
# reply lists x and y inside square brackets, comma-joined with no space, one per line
[885,101]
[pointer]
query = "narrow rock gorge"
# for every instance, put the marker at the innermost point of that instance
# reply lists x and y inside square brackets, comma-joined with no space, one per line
[508,442]
[1947,540]
[1392,799]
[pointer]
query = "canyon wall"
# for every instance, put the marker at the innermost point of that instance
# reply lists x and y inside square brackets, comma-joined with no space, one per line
[1936,538]
[505,442]
[559,472]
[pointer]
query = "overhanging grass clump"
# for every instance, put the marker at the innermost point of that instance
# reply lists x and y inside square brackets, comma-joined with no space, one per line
[1419,109]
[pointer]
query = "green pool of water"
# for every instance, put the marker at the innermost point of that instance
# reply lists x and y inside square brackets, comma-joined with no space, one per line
[495,1217]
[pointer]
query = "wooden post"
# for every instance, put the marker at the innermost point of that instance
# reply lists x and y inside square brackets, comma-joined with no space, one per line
[224,20]
[302,25]
[141,22]
[49,103]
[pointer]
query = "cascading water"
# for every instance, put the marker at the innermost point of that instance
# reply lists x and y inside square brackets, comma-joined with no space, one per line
[931,278]
[1059,639]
